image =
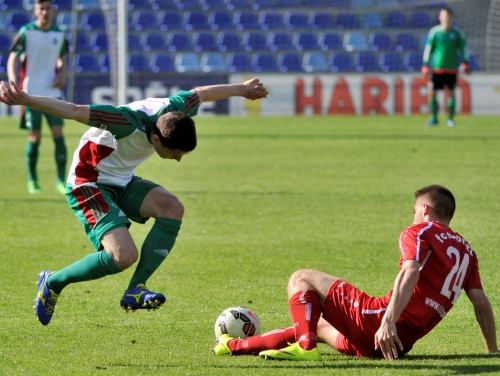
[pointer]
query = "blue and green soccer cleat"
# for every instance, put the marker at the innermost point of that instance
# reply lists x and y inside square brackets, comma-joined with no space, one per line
[46,299]
[34,187]
[292,352]
[141,298]
[221,347]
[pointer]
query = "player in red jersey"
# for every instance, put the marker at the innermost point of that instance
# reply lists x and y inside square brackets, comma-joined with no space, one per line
[436,264]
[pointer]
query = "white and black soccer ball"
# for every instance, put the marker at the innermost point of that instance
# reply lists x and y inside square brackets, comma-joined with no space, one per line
[237,322]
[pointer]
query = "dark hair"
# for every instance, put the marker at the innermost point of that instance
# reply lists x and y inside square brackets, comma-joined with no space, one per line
[43,1]
[448,10]
[440,199]
[176,130]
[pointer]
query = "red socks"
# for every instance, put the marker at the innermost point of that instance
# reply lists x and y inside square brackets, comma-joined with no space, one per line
[305,309]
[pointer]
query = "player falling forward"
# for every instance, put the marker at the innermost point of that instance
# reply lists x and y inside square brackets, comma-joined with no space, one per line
[104,193]
[436,264]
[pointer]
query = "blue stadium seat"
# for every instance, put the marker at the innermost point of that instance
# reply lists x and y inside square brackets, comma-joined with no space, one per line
[254,41]
[10,5]
[412,61]
[347,21]
[270,20]
[82,43]
[239,62]
[133,42]
[395,20]
[280,41]
[86,63]
[220,20]
[137,4]
[473,64]
[195,20]
[321,21]
[264,62]
[93,21]
[65,20]
[3,22]
[213,5]
[337,3]
[245,20]
[187,62]
[63,4]
[289,62]
[213,62]
[229,42]
[304,41]
[178,41]
[170,21]
[371,21]
[137,63]
[290,4]
[262,4]
[365,62]
[103,63]
[163,5]
[405,42]
[239,4]
[420,19]
[188,5]
[361,3]
[387,3]
[391,62]
[15,20]
[153,42]
[5,42]
[161,63]
[99,42]
[203,41]
[340,62]
[422,40]
[329,41]
[355,41]
[3,63]
[143,20]
[88,4]
[296,20]
[380,41]
[311,4]
[315,62]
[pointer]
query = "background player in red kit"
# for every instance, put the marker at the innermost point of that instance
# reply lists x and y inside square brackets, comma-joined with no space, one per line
[436,264]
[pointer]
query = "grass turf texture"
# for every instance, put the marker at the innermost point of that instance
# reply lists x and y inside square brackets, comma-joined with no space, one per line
[263,197]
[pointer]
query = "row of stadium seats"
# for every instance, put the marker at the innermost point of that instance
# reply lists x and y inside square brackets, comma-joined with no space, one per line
[258,62]
[224,4]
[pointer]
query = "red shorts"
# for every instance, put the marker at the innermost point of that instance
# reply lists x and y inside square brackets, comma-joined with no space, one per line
[357,317]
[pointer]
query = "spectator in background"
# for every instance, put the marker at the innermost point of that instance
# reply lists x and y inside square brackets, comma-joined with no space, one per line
[446,47]
[41,48]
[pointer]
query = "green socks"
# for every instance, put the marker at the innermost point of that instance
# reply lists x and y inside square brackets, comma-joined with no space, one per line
[157,245]
[451,107]
[93,266]
[60,155]
[433,107]
[31,154]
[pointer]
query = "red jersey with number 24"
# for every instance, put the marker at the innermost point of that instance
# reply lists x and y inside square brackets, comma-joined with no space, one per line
[447,265]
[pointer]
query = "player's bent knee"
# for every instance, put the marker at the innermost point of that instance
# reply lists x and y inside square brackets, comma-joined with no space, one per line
[170,207]
[124,258]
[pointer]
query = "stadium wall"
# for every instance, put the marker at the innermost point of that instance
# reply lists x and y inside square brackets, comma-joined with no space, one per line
[306,94]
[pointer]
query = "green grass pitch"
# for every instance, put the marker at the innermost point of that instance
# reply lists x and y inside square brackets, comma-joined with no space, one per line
[263,197]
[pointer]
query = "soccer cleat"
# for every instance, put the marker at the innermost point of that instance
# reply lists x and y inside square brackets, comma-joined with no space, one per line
[34,187]
[46,299]
[451,123]
[141,298]
[292,352]
[61,187]
[221,346]
[432,122]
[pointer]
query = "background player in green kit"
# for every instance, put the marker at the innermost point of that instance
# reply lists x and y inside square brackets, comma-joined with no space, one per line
[104,193]
[447,46]
[42,49]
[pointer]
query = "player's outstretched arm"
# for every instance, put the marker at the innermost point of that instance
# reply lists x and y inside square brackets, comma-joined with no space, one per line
[12,95]
[485,318]
[251,89]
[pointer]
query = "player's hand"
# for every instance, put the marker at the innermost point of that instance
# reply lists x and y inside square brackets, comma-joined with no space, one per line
[254,89]
[425,70]
[12,95]
[464,67]
[387,340]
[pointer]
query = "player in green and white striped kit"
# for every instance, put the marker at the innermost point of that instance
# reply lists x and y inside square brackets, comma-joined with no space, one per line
[447,46]
[105,194]
[41,48]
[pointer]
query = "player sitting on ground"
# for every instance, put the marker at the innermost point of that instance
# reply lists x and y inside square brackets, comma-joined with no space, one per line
[104,193]
[436,264]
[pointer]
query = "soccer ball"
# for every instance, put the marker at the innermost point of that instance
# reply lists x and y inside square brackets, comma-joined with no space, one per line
[237,322]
